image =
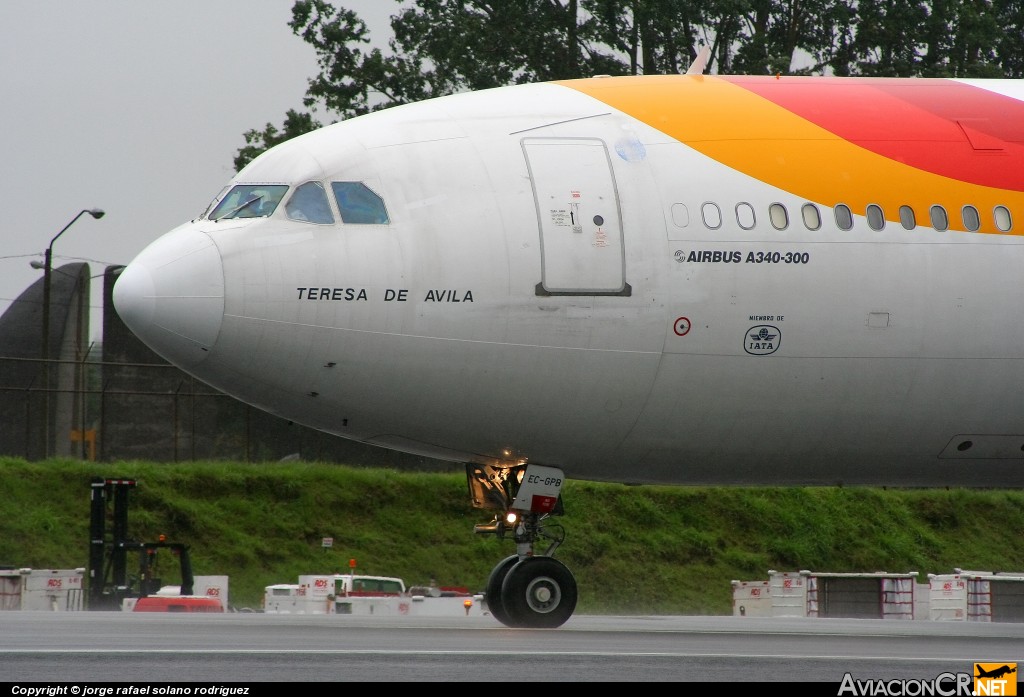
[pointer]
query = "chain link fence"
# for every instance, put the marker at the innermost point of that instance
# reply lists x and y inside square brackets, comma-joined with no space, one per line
[112,411]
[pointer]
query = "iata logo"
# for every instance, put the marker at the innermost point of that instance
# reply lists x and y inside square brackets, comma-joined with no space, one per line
[762,339]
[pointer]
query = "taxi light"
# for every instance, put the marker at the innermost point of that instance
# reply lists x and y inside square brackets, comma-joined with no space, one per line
[511,517]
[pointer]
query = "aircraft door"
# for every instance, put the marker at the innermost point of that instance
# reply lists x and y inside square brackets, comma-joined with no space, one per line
[582,248]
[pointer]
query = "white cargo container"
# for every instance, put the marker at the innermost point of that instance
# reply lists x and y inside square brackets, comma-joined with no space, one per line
[788,591]
[947,597]
[870,595]
[977,596]
[751,599]
[41,589]
[880,594]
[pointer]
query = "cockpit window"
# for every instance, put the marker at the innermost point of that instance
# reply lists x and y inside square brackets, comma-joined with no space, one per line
[216,199]
[309,204]
[249,201]
[359,205]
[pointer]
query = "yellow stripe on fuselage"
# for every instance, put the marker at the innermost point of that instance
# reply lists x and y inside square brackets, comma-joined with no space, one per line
[753,135]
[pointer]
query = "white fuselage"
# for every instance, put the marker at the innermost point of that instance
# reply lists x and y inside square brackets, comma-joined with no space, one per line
[551,287]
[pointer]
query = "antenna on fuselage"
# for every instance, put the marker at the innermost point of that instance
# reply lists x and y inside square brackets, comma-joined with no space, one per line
[700,63]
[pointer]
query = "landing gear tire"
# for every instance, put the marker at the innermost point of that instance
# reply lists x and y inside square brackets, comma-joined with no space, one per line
[492,593]
[530,589]
[538,592]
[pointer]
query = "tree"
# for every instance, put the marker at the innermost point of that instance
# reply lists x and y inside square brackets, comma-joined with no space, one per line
[935,38]
[655,37]
[974,35]
[477,44]
[439,47]
[771,32]
[888,37]
[295,123]
[352,81]
[1010,41]
[830,40]
[445,46]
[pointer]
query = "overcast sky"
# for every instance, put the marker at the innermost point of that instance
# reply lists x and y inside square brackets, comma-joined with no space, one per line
[136,107]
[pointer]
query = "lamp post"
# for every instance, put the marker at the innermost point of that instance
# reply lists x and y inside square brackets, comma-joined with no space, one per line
[47,268]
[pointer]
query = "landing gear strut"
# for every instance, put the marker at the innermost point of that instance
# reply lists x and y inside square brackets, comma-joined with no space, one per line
[528,589]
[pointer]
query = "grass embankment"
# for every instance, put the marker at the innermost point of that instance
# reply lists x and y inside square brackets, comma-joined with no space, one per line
[644,550]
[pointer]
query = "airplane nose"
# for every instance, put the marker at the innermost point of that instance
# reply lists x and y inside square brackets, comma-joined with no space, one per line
[172,296]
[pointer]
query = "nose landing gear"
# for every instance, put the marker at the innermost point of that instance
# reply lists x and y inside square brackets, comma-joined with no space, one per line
[527,589]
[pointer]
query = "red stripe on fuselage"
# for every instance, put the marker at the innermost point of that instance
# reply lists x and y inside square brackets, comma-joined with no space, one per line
[921,123]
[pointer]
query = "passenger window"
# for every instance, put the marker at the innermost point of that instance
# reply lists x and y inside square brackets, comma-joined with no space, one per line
[972,221]
[309,204]
[778,215]
[812,218]
[680,215]
[249,201]
[359,205]
[1002,217]
[745,215]
[876,218]
[940,221]
[907,218]
[844,218]
[712,215]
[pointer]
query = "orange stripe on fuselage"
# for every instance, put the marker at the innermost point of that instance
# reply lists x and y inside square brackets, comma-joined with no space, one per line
[738,122]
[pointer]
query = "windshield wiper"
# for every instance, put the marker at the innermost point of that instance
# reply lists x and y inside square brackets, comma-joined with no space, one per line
[234,211]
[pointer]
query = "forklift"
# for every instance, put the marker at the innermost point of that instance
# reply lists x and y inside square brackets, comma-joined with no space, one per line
[108,579]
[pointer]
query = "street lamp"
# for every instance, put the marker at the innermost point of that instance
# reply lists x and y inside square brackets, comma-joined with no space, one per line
[47,267]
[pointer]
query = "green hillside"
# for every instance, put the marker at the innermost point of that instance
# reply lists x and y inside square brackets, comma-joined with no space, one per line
[639,549]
